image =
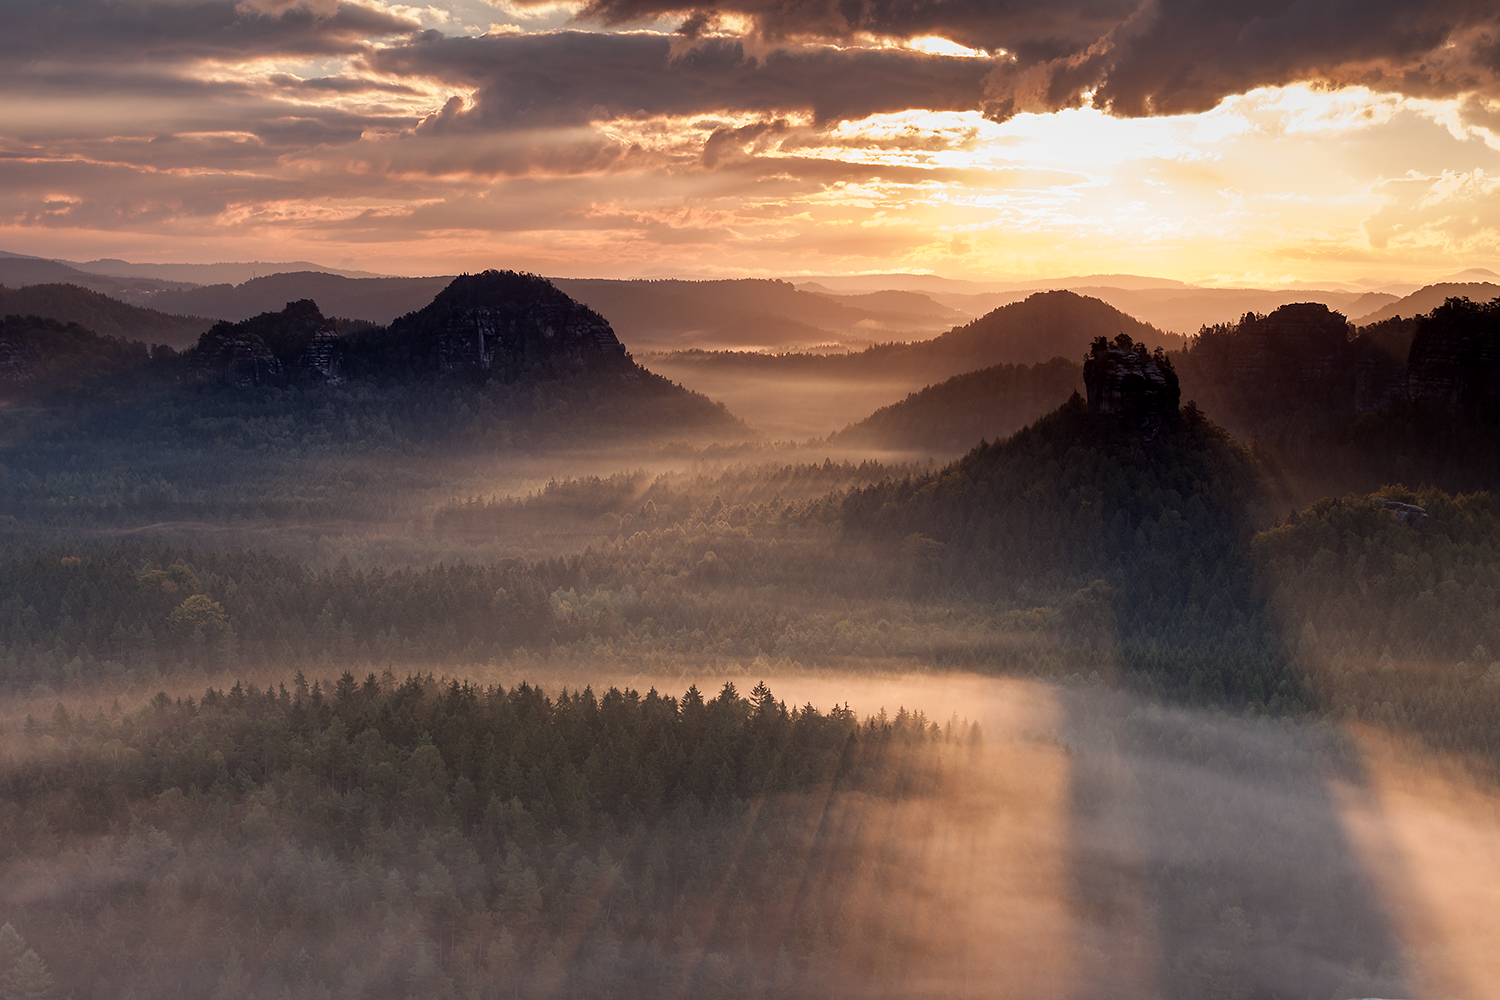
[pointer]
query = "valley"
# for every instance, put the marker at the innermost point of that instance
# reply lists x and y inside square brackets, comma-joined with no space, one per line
[475,652]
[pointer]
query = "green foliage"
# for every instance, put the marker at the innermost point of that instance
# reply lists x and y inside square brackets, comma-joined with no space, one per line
[1076,498]
[28,979]
[12,947]
[1395,624]
[377,837]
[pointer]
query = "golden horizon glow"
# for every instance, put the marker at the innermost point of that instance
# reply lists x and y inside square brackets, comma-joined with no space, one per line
[344,160]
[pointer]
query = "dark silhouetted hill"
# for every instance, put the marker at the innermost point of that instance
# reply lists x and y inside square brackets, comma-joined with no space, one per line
[1133,541]
[259,350]
[44,359]
[501,323]
[1042,326]
[953,416]
[1414,400]
[107,316]
[497,360]
[1426,299]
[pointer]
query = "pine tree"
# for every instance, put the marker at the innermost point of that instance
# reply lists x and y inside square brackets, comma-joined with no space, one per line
[28,979]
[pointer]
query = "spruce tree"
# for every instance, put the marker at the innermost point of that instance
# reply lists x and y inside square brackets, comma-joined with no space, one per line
[28,979]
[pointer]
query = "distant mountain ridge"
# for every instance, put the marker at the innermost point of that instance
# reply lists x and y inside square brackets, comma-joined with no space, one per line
[1430,297]
[375,300]
[102,314]
[754,313]
[17,272]
[497,359]
[953,416]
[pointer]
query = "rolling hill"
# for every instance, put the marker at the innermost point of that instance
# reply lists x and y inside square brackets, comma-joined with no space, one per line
[754,313]
[953,416]
[377,300]
[1428,298]
[103,314]
[812,395]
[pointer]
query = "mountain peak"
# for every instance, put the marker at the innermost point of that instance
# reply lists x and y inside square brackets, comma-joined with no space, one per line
[506,322]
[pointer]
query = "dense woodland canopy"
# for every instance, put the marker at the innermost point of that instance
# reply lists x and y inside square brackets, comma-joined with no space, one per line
[1149,533]
[441,840]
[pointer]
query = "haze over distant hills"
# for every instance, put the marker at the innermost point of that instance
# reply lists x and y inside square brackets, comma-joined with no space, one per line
[376,300]
[754,314]
[802,395]
[757,313]
[103,314]
[1428,298]
[233,272]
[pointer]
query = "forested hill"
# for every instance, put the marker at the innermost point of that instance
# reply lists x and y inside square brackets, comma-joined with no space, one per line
[1043,326]
[953,416]
[498,359]
[1413,400]
[1135,541]
[103,315]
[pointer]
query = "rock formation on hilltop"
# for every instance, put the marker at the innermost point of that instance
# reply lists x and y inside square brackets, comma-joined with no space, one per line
[274,344]
[1273,363]
[1454,362]
[506,324]
[1304,363]
[1126,381]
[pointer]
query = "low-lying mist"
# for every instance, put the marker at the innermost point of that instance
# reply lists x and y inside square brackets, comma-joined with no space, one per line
[1080,842]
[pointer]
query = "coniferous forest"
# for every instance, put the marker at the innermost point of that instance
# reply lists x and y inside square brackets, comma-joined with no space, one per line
[345,660]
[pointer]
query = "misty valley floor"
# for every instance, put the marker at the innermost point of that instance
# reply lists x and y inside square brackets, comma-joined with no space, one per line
[1091,845]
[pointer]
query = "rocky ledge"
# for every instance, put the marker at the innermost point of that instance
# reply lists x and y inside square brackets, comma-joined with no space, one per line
[274,344]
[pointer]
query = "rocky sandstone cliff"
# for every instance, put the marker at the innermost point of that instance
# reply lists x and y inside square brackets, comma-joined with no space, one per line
[1126,381]
[252,352]
[1454,362]
[508,323]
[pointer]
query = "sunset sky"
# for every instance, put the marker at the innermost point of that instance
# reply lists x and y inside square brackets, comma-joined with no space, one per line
[1221,141]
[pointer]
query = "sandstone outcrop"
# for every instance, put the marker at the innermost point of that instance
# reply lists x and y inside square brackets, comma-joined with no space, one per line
[508,323]
[268,346]
[1408,514]
[1455,357]
[1126,381]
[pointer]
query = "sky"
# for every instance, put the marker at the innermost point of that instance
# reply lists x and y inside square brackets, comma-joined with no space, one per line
[1223,142]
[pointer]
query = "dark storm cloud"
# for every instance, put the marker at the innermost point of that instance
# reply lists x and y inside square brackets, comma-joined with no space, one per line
[1032,29]
[137,31]
[572,77]
[1144,57]
[1182,56]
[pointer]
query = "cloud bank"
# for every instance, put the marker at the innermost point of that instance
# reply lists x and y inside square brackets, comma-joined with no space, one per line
[799,130]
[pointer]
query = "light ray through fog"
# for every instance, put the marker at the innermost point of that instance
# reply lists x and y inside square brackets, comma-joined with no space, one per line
[1429,828]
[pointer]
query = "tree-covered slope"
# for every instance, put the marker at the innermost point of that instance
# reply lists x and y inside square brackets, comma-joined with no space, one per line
[1396,618]
[1147,534]
[1043,326]
[104,315]
[954,415]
